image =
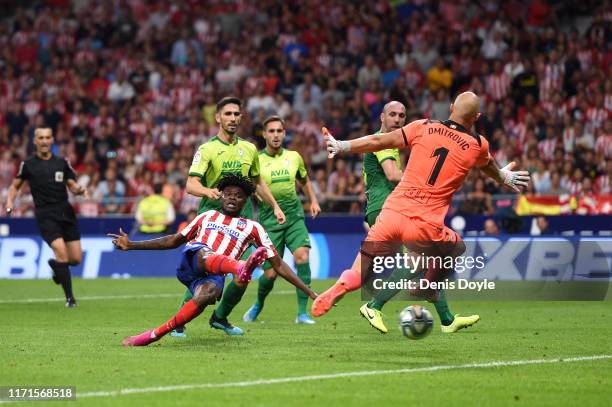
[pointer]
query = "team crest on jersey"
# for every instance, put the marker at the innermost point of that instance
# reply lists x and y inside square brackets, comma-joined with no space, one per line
[196,158]
[286,163]
[241,225]
[241,152]
[59,176]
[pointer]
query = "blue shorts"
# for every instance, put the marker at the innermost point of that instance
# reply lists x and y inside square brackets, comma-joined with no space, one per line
[188,273]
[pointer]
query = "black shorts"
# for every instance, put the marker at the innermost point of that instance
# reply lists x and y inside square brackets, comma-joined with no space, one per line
[58,221]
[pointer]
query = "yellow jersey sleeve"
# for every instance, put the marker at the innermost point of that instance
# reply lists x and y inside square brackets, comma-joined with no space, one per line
[200,162]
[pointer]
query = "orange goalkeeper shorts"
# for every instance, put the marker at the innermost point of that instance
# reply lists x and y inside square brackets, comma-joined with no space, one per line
[412,232]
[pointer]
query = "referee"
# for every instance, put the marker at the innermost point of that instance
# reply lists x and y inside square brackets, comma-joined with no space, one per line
[48,176]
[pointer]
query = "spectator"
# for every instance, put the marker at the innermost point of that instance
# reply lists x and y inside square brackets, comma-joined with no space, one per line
[191,215]
[440,107]
[425,55]
[313,89]
[439,76]
[109,182]
[525,83]
[335,178]
[113,202]
[541,178]
[261,100]
[305,105]
[139,81]
[584,139]
[155,213]
[543,226]
[478,202]
[498,82]
[120,90]
[555,187]
[368,73]
[491,228]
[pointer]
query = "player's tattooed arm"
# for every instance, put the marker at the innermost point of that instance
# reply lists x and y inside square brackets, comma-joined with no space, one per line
[283,270]
[505,176]
[122,242]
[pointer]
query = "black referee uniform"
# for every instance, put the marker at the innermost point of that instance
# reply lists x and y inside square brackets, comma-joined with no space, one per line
[54,214]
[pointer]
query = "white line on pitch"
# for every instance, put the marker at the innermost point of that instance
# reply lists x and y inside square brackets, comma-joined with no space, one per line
[91,297]
[109,297]
[259,382]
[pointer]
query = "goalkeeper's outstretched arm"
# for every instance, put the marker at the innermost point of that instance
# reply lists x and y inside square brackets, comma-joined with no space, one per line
[368,144]
[505,176]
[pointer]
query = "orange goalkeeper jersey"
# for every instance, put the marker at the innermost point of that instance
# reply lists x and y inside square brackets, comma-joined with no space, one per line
[441,155]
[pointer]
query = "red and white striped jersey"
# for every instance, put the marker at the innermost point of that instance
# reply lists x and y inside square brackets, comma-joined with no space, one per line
[516,130]
[226,235]
[573,186]
[182,97]
[585,56]
[569,139]
[552,79]
[498,86]
[603,146]
[603,184]
[547,148]
[596,116]
[414,79]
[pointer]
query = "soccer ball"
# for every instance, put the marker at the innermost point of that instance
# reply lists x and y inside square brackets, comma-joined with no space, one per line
[415,322]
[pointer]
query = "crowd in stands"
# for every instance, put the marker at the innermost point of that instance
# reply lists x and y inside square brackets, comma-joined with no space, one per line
[129,87]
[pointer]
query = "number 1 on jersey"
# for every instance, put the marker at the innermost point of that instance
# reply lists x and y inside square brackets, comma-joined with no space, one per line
[441,153]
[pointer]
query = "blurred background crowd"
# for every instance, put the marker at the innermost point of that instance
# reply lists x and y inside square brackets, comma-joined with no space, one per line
[129,87]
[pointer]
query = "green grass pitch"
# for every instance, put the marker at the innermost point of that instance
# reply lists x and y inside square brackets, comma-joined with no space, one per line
[42,343]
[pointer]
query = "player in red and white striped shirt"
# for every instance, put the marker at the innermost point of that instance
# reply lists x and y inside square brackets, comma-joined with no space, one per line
[498,83]
[598,114]
[215,241]
[546,147]
[551,76]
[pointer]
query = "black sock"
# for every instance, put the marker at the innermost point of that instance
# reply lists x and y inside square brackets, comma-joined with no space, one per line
[64,277]
[55,277]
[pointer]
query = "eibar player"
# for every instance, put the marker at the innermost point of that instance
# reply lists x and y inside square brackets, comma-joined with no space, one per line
[225,154]
[280,168]
[381,173]
[382,169]
[441,155]
[215,240]
[48,176]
